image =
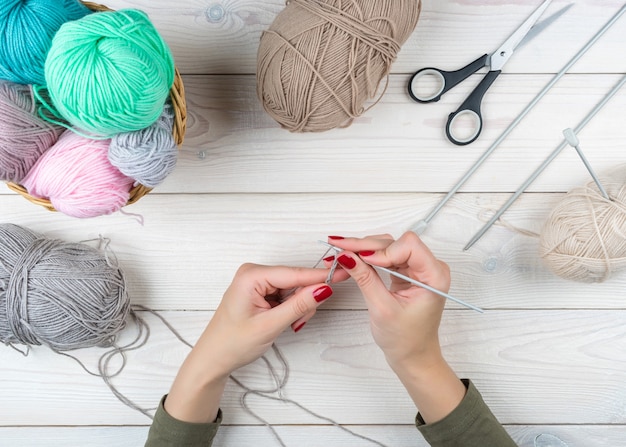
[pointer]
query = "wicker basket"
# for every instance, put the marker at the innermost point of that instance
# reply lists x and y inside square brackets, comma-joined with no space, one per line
[177,95]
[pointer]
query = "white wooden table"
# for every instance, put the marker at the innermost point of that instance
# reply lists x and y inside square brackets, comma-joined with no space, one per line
[548,355]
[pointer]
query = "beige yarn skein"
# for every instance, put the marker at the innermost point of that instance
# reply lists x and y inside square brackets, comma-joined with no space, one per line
[584,239]
[321,60]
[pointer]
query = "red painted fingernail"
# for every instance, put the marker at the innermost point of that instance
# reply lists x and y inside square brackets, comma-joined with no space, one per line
[300,326]
[336,238]
[329,259]
[366,253]
[322,293]
[346,262]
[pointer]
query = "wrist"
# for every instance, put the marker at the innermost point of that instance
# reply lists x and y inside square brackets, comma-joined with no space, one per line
[197,390]
[417,364]
[433,386]
[195,397]
[419,369]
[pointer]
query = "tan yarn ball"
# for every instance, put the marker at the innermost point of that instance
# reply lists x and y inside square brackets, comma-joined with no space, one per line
[584,238]
[321,60]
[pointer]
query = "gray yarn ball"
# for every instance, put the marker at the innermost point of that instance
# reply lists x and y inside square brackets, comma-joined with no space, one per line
[148,155]
[63,295]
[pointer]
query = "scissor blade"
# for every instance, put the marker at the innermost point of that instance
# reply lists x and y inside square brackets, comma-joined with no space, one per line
[506,50]
[541,26]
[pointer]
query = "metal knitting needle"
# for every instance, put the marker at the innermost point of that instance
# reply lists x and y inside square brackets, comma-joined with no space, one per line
[413,281]
[572,140]
[421,225]
[544,165]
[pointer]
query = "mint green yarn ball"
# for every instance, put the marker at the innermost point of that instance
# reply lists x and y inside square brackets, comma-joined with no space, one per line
[109,72]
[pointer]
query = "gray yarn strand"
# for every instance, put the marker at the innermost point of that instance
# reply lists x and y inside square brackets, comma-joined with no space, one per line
[279,388]
[69,296]
[280,383]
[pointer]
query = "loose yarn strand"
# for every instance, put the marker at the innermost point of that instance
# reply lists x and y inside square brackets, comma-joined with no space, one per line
[141,339]
[485,214]
[68,296]
[267,395]
[280,383]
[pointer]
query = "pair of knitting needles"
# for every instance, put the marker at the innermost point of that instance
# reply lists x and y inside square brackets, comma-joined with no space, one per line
[570,139]
[421,225]
[403,277]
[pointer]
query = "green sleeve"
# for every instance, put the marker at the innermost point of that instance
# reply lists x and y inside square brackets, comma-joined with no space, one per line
[169,432]
[471,424]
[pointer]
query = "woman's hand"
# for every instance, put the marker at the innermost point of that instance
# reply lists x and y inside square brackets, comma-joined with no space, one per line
[257,307]
[255,311]
[405,318]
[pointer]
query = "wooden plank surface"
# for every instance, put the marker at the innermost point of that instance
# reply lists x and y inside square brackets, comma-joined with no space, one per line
[548,355]
[398,146]
[236,436]
[233,146]
[529,365]
[221,36]
[186,257]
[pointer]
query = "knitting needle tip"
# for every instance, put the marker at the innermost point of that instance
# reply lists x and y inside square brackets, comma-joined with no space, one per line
[415,282]
[419,227]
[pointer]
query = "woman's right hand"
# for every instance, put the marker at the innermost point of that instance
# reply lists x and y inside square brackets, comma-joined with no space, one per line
[405,318]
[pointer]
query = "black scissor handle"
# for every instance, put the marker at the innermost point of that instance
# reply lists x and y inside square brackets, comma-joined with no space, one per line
[446,79]
[471,108]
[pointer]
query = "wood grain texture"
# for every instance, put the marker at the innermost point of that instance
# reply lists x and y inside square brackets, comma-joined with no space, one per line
[529,365]
[399,145]
[450,34]
[233,146]
[237,436]
[187,252]
[549,356]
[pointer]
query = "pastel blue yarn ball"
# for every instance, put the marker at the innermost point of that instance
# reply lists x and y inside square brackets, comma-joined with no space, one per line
[148,155]
[27,28]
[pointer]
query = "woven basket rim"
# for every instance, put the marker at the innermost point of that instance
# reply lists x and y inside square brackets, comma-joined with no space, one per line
[179,104]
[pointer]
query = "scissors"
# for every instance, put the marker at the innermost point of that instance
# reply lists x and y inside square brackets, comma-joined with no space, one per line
[449,79]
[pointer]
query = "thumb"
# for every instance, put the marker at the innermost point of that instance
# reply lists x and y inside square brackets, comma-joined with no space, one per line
[304,303]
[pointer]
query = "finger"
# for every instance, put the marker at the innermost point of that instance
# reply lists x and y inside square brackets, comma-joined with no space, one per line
[376,242]
[304,302]
[340,274]
[267,280]
[372,287]
[300,322]
[410,253]
[371,236]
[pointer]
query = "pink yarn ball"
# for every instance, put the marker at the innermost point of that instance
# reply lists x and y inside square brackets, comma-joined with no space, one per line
[78,179]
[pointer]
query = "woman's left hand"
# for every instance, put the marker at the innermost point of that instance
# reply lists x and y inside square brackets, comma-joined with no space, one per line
[259,305]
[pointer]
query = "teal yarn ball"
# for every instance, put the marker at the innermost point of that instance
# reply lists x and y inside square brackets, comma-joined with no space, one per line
[27,28]
[109,72]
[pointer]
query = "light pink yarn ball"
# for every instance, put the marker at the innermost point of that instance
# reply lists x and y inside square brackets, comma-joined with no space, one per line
[78,179]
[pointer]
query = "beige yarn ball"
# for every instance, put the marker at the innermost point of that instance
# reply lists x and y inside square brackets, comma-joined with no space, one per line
[584,239]
[321,60]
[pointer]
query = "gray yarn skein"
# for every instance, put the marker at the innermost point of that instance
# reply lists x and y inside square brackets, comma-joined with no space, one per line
[63,295]
[148,155]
